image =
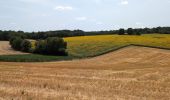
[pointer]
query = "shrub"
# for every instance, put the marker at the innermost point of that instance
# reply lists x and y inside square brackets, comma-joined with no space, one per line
[40,47]
[11,40]
[56,46]
[25,46]
[51,46]
[16,43]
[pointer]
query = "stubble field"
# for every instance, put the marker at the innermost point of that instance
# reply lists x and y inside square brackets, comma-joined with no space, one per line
[132,73]
[5,49]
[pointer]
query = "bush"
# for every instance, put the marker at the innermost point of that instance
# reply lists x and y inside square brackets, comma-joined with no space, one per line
[51,46]
[11,40]
[56,46]
[16,43]
[25,46]
[40,47]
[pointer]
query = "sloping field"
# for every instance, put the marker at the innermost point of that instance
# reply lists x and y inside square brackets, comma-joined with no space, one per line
[90,46]
[5,49]
[132,73]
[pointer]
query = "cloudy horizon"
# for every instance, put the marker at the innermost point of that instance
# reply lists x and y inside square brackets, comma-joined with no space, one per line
[87,15]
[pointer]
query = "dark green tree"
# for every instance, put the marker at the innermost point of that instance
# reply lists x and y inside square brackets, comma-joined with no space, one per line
[56,46]
[121,31]
[16,43]
[25,46]
[41,47]
[130,31]
[51,46]
[138,33]
[11,40]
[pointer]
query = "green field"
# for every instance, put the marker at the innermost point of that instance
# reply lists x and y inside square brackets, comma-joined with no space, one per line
[88,46]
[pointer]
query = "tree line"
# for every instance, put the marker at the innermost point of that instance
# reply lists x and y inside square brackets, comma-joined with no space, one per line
[139,31]
[6,35]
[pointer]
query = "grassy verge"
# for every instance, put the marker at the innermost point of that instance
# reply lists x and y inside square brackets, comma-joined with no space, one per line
[33,58]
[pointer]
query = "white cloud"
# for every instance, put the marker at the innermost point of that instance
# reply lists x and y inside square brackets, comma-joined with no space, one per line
[81,18]
[63,8]
[124,2]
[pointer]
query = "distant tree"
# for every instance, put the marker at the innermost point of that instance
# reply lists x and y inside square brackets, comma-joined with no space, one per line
[78,33]
[130,31]
[17,34]
[25,46]
[146,30]
[138,33]
[121,31]
[4,35]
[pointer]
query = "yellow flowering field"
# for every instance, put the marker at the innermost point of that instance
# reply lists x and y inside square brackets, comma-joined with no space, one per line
[85,46]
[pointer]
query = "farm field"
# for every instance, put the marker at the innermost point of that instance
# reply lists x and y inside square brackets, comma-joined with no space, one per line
[95,45]
[5,49]
[90,46]
[131,73]
[84,50]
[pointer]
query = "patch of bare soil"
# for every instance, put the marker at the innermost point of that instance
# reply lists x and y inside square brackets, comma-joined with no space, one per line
[132,73]
[5,49]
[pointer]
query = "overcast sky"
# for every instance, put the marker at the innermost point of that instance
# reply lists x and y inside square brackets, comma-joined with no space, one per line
[88,15]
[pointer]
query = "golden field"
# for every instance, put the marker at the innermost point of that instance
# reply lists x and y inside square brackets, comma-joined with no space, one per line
[132,73]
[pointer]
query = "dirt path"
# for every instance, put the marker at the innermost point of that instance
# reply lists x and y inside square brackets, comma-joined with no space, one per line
[132,73]
[5,49]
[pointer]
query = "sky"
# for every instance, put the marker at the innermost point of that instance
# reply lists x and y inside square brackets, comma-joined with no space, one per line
[87,15]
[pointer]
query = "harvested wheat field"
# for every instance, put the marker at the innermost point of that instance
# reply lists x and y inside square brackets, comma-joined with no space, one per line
[5,49]
[132,73]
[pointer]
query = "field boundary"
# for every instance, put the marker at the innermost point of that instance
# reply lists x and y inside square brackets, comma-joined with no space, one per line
[150,46]
[125,46]
[112,50]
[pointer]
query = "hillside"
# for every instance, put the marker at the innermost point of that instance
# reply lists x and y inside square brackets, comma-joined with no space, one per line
[91,46]
[132,73]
